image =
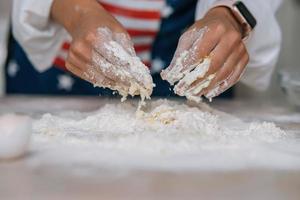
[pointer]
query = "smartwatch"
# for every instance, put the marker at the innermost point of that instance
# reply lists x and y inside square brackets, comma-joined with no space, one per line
[241,13]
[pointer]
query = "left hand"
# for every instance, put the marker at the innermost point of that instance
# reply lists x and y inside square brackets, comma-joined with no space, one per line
[101,51]
[217,36]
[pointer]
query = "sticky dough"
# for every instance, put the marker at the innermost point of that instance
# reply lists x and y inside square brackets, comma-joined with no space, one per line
[198,73]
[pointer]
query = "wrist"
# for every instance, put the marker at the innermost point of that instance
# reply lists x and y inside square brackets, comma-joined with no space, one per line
[69,13]
[225,13]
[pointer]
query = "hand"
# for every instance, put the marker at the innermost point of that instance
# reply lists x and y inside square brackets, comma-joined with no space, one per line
[210,57]
[101,51]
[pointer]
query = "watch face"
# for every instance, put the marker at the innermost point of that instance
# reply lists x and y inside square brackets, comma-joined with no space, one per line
[246,13]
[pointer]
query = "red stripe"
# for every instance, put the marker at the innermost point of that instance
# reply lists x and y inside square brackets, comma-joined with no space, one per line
[134,32]
[60,63]
[66,45]
[141,14]
[142,47]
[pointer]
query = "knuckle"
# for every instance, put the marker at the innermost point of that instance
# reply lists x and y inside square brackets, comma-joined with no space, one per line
[247,56]
[220,27]
[234,36]
[90,37]
[77,47]
[68,65]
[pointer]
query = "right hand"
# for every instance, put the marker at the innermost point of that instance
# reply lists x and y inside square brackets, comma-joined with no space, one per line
[95,34]
[210,58]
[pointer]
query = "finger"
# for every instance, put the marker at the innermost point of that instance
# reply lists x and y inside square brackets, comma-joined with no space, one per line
[81,50]
[221,53]
[81,67]
[227,69]
[196,89]
[127,60]
[78,56]
[111,71]
[184,44]
[198,73]
[136,76]
[120,65]
[142,76]
[90,75]
[186,49]
[123,66]
[188,38]
[77,72]
[110,49]
[77,60]
[125,41]
[233,78]
[218,57]
[200,49]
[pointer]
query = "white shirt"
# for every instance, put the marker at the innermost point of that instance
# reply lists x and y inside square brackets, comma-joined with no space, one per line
[41,38]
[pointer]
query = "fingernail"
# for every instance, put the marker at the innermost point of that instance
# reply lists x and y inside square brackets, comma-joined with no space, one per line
[214,92]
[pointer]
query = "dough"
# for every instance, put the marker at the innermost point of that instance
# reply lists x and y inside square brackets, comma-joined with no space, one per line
[15,131]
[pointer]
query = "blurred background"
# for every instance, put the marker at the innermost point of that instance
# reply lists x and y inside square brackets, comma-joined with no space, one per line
[288,17]
[288,64]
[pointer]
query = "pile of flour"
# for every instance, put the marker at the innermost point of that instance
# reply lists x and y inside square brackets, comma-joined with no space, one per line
[163,128]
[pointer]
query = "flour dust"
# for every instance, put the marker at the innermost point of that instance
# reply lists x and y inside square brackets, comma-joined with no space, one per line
[164,127]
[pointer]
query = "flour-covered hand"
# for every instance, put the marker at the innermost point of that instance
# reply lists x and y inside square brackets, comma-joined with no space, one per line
[210,57]
[101,50]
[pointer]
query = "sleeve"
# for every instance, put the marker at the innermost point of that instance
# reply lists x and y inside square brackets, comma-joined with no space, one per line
[5,8]
[264,43]
[40,37]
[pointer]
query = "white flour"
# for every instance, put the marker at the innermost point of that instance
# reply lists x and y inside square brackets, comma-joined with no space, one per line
[166,136]
[164,128]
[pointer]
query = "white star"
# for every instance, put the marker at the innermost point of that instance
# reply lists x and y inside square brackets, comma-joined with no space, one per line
[65,82]
[12,69]
[157,65]
[167,11]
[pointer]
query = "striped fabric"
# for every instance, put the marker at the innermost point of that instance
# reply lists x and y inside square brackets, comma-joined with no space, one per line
[141,18]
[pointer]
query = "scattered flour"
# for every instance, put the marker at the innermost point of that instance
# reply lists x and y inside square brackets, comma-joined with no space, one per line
[162,128]
[15,133]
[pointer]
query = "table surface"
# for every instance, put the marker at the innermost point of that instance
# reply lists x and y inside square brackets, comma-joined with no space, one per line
[20,180]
